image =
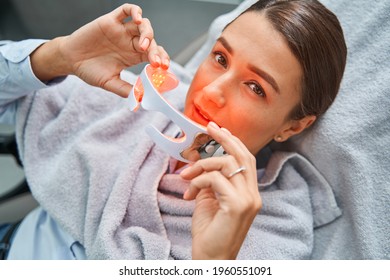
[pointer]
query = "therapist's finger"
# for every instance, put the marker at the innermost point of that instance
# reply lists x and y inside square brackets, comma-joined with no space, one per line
[128,10]
[118,86]
[146,34]
[143,32]
[165,60]
[157,56]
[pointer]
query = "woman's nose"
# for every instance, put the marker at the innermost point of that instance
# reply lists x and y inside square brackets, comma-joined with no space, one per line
[215,91]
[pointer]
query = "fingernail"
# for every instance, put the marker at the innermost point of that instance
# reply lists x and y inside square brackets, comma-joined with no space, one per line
[185,194]
[145,43]
[157,59]
[138,17]
[213,125]
[183,172]
[166,62]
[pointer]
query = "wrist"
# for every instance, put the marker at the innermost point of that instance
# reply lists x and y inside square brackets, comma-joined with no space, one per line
[48,62]
[227,253]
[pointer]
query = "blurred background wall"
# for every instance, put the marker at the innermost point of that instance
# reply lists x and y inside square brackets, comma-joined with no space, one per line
[176,22]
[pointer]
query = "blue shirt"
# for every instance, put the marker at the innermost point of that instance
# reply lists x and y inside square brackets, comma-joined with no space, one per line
[38,236]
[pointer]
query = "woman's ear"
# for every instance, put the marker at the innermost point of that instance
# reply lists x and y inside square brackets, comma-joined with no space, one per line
[294,127]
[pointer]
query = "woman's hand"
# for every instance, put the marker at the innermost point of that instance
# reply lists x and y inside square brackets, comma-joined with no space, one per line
[100,50]
[225,207]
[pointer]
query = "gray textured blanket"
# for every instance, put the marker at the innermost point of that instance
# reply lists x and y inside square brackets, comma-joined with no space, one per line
[92,167]
[97,173]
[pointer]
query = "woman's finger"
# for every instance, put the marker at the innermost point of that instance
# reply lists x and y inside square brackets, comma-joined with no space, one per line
[226,165]
[231,144]
[213,180]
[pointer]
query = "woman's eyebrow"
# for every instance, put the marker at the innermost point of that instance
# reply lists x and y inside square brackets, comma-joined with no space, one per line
[225,44]
[264,75]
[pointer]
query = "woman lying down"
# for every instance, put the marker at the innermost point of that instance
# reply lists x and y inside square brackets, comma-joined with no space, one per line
[106,191]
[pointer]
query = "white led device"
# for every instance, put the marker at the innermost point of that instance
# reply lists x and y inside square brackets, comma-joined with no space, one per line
[147,92]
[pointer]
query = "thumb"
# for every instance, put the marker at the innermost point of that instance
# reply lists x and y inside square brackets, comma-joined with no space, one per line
[118,86]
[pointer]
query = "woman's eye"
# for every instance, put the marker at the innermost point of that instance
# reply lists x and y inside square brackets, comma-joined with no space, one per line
[220,59]
[256,88]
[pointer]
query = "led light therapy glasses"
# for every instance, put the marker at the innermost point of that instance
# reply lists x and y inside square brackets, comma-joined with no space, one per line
[194,143]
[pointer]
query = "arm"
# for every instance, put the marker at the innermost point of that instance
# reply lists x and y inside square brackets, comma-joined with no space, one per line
[16,77]
[97,53]
[100,50]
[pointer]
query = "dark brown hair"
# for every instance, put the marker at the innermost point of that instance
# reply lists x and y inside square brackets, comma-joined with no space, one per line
[316,38]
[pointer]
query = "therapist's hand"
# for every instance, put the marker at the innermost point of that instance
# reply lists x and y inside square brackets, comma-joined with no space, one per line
[100,50]
[225,207]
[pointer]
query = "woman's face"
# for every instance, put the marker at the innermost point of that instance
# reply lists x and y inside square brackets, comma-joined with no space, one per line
[248,84]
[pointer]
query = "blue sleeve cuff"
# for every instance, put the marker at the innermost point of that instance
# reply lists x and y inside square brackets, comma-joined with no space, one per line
[18,51]
[20,79]
[17,78]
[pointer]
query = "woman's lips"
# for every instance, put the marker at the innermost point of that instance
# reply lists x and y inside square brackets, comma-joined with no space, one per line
[201,117]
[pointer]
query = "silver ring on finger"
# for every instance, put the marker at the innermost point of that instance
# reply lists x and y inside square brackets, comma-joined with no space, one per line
[239,170]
